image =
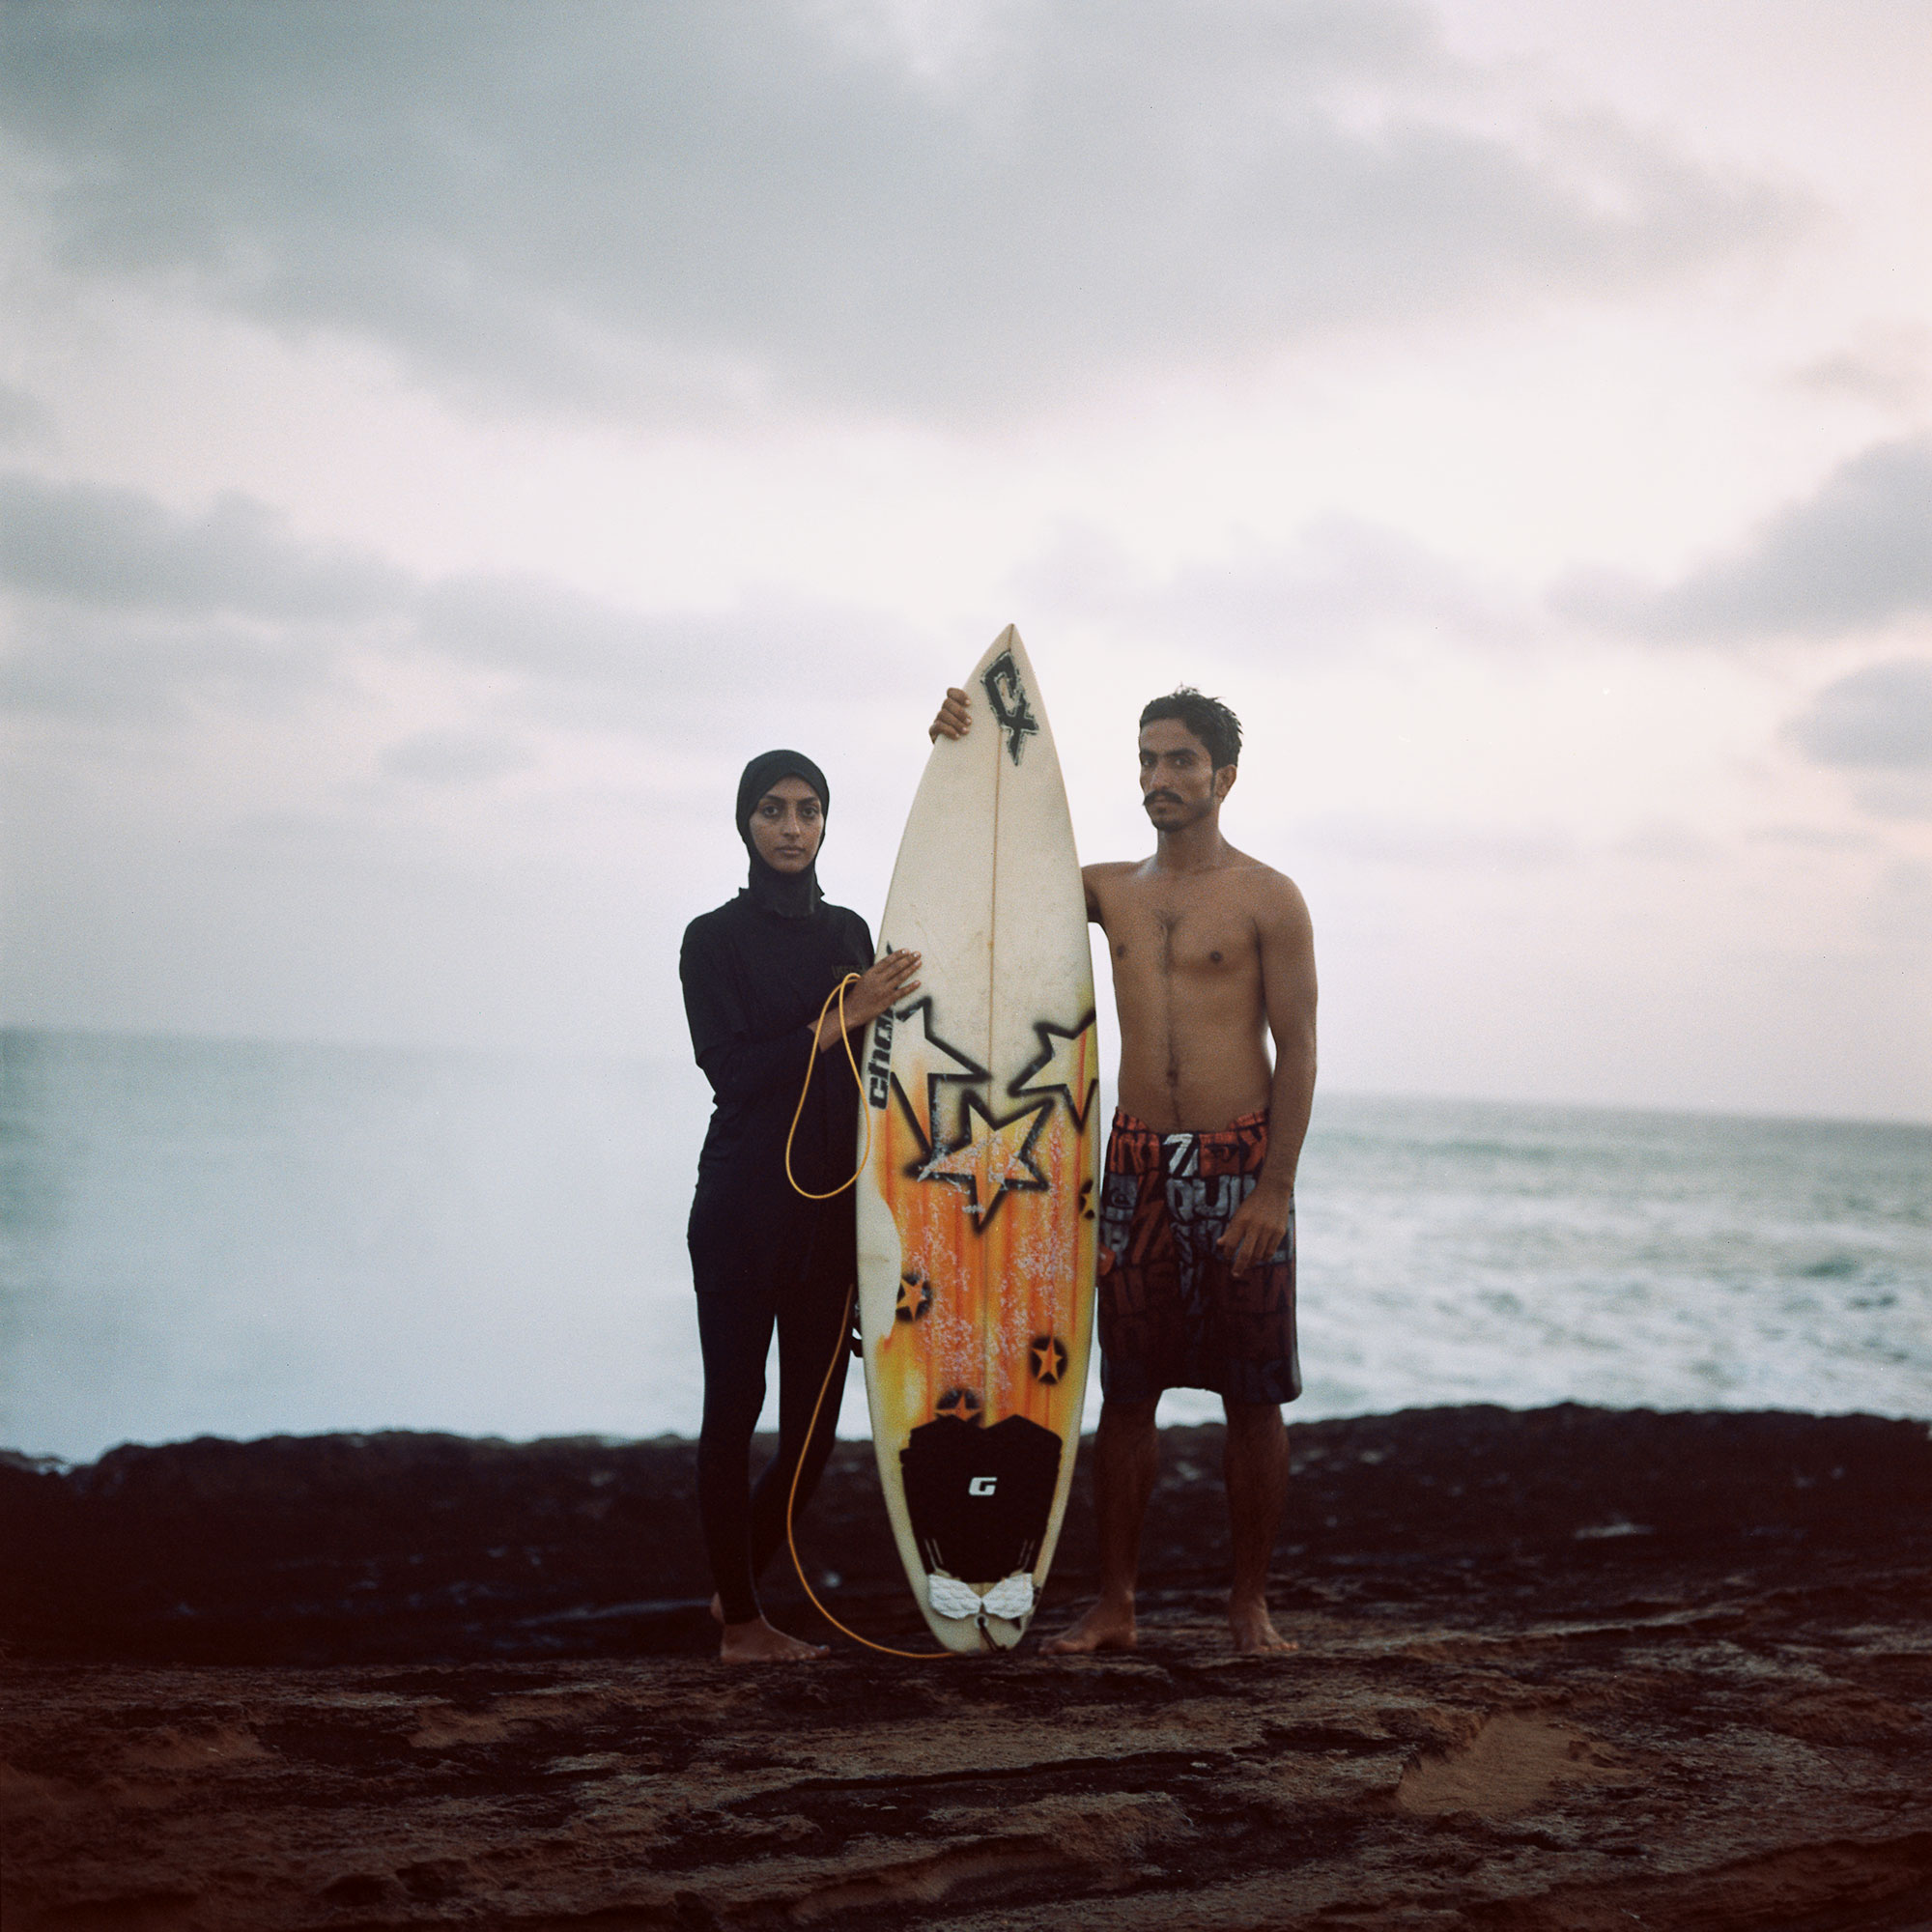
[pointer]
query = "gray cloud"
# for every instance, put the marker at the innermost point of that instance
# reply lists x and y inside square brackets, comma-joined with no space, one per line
[1889,381]
[82,543]
[1666,842]
[1811,838]
[124,610]
[1875,725]
[534,625]
[1878,719]
[588,662]
[1340,581]
[22,417]
[1857,553]
[602,203]
[119,667]
[454,757]
[1435,843]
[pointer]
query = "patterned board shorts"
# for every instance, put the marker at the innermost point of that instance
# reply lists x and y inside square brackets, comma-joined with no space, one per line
[1173,1313]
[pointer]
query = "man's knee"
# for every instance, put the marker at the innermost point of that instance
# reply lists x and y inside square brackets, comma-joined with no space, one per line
[1252,1420]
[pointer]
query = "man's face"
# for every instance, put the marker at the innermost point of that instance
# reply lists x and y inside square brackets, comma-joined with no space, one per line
[786,826]
[1178,783]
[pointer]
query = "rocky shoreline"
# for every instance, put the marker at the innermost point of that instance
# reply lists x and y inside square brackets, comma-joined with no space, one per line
[1570,1668]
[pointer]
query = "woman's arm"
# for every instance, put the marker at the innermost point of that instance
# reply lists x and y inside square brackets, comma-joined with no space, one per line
[738,1065]
[737,1061]
[738,1069]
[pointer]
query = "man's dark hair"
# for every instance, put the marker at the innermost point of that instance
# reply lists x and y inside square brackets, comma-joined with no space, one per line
[1207,718]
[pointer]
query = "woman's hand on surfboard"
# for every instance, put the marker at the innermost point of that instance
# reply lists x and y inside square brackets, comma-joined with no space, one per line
[885,982]
[955,717]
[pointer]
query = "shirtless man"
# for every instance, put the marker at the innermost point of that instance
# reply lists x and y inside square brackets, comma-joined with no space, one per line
[1213,956]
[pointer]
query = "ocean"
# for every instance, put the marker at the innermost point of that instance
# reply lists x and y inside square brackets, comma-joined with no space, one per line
[206,1237]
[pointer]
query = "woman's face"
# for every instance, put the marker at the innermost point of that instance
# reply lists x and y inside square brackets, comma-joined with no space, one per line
[786,825]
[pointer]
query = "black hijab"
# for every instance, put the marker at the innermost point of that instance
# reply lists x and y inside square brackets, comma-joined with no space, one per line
[790,895]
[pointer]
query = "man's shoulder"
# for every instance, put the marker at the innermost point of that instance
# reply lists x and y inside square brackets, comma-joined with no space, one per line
[1250,889]
[1257,875]
[1265,887]
[1110,883]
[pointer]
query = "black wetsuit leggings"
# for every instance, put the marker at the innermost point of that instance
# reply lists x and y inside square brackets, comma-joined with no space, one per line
[744,1525]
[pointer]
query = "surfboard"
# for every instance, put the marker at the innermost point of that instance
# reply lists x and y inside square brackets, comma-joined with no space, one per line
[977,1203]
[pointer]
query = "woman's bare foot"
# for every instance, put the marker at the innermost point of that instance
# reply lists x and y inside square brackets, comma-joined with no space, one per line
[1255,1633]
[1105,1627]
[757,1643]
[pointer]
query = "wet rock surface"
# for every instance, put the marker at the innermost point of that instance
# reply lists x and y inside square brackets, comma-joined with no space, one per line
[1572,1668]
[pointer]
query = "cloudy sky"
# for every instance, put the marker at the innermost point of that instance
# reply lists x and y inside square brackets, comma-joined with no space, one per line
[440,442]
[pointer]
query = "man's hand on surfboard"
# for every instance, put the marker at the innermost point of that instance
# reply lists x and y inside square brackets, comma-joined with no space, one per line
[955,717]
[1257,1225]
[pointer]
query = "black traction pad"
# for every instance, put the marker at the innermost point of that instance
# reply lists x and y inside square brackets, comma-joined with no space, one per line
[978,1498]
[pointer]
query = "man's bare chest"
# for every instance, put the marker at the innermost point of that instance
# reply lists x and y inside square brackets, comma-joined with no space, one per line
[1171,933]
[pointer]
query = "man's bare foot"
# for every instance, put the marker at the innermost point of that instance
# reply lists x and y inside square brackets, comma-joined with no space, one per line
[757,1643]
[1255,1633]
[717,1607]
[1105,1627]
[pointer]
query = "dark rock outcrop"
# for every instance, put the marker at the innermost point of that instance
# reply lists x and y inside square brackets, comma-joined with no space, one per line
[1567,1671]
[395,1546]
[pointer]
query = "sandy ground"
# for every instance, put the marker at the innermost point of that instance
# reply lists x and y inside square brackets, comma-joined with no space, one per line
[1721,1726]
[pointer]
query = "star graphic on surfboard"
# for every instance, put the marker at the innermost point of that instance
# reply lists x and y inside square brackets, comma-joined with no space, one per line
[1048,1355]
[993,1157]
[920,1063]
[1068,1056]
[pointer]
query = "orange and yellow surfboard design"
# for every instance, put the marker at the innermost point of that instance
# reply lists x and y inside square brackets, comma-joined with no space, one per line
[976,1205]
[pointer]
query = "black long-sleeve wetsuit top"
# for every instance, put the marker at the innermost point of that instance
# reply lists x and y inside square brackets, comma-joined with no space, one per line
[754,981]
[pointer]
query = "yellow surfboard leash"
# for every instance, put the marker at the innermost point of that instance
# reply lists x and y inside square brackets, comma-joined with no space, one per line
[844,1327]
[859,1079]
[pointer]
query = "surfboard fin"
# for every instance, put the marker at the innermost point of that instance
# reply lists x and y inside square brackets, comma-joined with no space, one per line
[1011,1599]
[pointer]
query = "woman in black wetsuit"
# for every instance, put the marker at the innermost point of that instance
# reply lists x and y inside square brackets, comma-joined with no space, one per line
[756,973]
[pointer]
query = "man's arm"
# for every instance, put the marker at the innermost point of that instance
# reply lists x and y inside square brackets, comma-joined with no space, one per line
[1286,940]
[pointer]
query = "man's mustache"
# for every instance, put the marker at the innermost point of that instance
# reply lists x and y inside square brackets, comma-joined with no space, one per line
[1171,797]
